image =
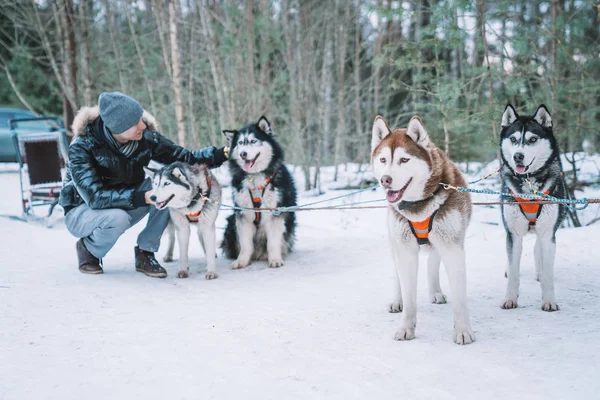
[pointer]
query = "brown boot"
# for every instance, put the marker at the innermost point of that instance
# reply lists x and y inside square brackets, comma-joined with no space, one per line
[88,264]
[146,263]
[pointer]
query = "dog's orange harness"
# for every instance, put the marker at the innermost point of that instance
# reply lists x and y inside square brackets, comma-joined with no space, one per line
[194,217]
[531,209]
[421,229]
[256,194]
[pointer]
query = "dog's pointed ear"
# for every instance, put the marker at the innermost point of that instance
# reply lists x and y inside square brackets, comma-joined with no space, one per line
[229,135]
[380,131]
[150,172]
[542,117]
[509,116]
[178,173]
[264,125]
[416,131]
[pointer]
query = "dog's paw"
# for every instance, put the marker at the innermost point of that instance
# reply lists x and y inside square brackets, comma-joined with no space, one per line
[508,304]
[168,258]
[550,306]
[182,274]
[463,336]
[405,334]
[275,263]
[211,275]
[395,307]
[239,264]
[437,298]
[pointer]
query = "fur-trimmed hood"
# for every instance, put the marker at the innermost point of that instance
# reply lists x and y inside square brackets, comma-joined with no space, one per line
[87,115]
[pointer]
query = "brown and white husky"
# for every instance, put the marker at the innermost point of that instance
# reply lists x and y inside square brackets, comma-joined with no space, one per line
[422,214]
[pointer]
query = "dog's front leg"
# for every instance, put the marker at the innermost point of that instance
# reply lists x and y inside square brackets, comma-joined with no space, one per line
[182,226]
[514,247]
[396,304]
[246,231]
[548,252]
[209,243]
[433,274]
[171,241]
[274,228]
[454,260]
[407,266]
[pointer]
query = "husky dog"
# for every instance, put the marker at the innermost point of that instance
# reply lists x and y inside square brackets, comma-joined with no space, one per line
[530,161]
[410,168]
[183,188]
[259,180]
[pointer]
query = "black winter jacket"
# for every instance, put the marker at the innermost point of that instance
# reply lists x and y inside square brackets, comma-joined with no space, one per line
[100,176]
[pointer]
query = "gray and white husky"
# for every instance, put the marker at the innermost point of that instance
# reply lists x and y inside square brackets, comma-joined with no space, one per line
[183,188]
[531,161]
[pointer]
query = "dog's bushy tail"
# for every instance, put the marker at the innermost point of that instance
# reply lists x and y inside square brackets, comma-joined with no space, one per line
[230,244]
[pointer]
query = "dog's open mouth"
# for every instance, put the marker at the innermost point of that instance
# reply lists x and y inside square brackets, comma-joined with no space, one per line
[521,169]
[393,196]
[163,204]
[249,163]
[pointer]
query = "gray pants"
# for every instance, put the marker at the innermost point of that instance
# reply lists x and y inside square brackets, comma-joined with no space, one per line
[100,229]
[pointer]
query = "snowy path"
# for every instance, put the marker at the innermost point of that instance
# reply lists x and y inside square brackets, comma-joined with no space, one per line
[316,328]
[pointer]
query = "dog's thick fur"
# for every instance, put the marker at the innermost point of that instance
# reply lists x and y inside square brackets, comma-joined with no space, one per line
[257,160]
[530,160]
[410,168]
[178,187]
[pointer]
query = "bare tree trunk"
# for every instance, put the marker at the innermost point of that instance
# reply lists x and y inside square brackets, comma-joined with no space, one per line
[361,142]
[70,60]
[85,53]
[481,14]
[191,78]
[15,88]
[378,44]
[142,59]
[225,119]
[176,73]
[158,11]
[326,85]
[115,44]
[342,45]
[250,59]
[39,26]
[265,12]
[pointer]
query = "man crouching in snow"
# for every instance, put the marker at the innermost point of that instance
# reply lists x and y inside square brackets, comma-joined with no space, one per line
[105,191]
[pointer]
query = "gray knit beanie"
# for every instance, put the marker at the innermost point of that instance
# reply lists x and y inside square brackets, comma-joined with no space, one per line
[118,111]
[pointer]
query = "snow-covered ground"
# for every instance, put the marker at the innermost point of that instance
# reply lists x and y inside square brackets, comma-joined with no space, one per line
[315,328]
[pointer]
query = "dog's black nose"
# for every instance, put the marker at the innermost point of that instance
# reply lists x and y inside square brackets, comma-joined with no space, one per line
[243,154]
[153,198]
[386,181]
[518,157]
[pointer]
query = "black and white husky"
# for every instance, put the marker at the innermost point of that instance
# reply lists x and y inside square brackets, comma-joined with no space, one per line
[531,161]
[259,180]
[183,188]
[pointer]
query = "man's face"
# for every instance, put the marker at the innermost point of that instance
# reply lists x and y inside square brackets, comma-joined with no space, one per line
[134,133]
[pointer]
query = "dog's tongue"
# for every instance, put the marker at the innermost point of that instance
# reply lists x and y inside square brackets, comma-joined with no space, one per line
[247,165]
[521,169]
[393,195]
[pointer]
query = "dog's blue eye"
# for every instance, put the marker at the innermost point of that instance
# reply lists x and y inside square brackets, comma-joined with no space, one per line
[167,183]
[404,160]
[252,141]
[382,160]
[240,142]
[533,140]
[513,139]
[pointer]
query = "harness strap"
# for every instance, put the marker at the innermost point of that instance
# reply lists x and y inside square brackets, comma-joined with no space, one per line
[256,194]
[531,209]
[194,217]
[421,229]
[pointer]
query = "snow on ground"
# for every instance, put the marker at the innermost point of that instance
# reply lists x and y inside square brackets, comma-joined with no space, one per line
[315,328]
